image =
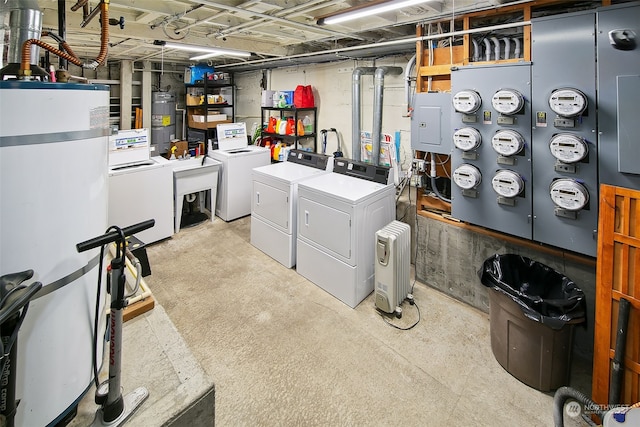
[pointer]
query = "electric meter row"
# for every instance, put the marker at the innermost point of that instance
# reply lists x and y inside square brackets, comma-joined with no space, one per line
[568,194]
[565,147]
[565,102]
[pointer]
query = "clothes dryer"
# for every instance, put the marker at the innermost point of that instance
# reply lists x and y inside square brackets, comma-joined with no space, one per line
[338,216]
[234,179]
[274,202]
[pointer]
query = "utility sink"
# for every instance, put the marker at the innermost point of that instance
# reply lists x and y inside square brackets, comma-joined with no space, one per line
[192,176]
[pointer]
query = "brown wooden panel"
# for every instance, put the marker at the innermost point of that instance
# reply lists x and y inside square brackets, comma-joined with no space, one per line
[618,266]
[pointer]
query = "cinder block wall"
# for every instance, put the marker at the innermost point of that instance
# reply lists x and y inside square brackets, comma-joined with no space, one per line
[448,258]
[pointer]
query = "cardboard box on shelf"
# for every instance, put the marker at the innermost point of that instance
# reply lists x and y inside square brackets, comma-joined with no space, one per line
[194,99]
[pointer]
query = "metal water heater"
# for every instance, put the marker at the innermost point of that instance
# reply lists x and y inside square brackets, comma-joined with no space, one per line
[53,193]
[163,121]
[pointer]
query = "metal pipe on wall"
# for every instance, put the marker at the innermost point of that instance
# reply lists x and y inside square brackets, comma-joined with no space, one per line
[378,92]
[356,116]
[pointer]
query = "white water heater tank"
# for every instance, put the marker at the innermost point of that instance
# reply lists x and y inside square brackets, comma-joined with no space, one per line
[53,193]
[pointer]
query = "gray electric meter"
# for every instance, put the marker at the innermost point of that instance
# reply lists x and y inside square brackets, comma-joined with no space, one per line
[568,102]
[507,142]
[467,176]
[569,194]
[568,148]
[467,139]
[467,101]
[507,183]
[507,101]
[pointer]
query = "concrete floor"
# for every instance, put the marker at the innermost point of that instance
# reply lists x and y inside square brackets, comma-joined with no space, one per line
[283,352]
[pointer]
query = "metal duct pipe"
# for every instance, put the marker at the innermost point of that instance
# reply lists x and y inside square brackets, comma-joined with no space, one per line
[378,91]
[356,115]
[507,47]
[25,22]
[516,52]
[487,49]
[476,50]
[496,48]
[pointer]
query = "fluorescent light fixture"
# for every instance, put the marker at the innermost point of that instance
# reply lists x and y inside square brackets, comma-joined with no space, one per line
[212,51]
[204,56]
[356,13]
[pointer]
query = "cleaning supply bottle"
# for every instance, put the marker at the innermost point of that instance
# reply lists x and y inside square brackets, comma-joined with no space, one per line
[300,128]
[308,126]
[291,126]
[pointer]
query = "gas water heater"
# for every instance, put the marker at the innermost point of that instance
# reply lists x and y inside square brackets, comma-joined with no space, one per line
[53,193]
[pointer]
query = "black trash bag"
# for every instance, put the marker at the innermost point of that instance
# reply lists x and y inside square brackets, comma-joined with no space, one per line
[543,294]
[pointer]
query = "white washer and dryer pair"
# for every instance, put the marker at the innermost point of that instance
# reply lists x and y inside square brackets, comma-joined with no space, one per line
[338,216]
[238,158]
[274,202]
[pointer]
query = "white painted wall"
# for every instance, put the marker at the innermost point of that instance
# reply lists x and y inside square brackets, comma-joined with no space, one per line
[332,84]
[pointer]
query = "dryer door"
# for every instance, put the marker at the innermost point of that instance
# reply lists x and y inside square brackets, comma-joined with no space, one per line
[325,227]
[271,204]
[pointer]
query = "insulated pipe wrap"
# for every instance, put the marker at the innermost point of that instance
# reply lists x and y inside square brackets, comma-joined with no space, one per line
[378,92]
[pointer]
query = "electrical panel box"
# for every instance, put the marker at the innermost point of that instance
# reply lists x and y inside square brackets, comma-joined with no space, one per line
[564,153]
[618,62]
[628,124]
[430,128]
[491,160]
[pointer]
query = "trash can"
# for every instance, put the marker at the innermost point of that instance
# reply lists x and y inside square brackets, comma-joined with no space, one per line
[533,310]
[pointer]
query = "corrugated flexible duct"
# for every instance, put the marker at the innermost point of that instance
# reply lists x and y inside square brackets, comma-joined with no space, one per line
[356,115]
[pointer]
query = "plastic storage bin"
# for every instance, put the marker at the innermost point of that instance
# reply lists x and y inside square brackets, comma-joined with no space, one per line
[533,311]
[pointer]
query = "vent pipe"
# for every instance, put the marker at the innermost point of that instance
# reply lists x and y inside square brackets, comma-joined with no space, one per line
[25,22]
[356,115]
[378,91]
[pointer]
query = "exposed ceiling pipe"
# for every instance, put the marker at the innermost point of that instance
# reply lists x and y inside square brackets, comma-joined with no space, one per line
[313,28]
[378,93]
[284,59]
[62,26]
[356,115]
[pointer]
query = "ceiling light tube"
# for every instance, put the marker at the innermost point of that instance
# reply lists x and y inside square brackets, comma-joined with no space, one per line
[204,56]
[368,11]
[202,49]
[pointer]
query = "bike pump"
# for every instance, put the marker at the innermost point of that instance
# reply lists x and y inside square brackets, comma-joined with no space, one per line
[116,409]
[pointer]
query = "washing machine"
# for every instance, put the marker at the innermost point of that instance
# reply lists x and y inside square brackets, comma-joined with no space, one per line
[234,179]
[274,202]
[338,216]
